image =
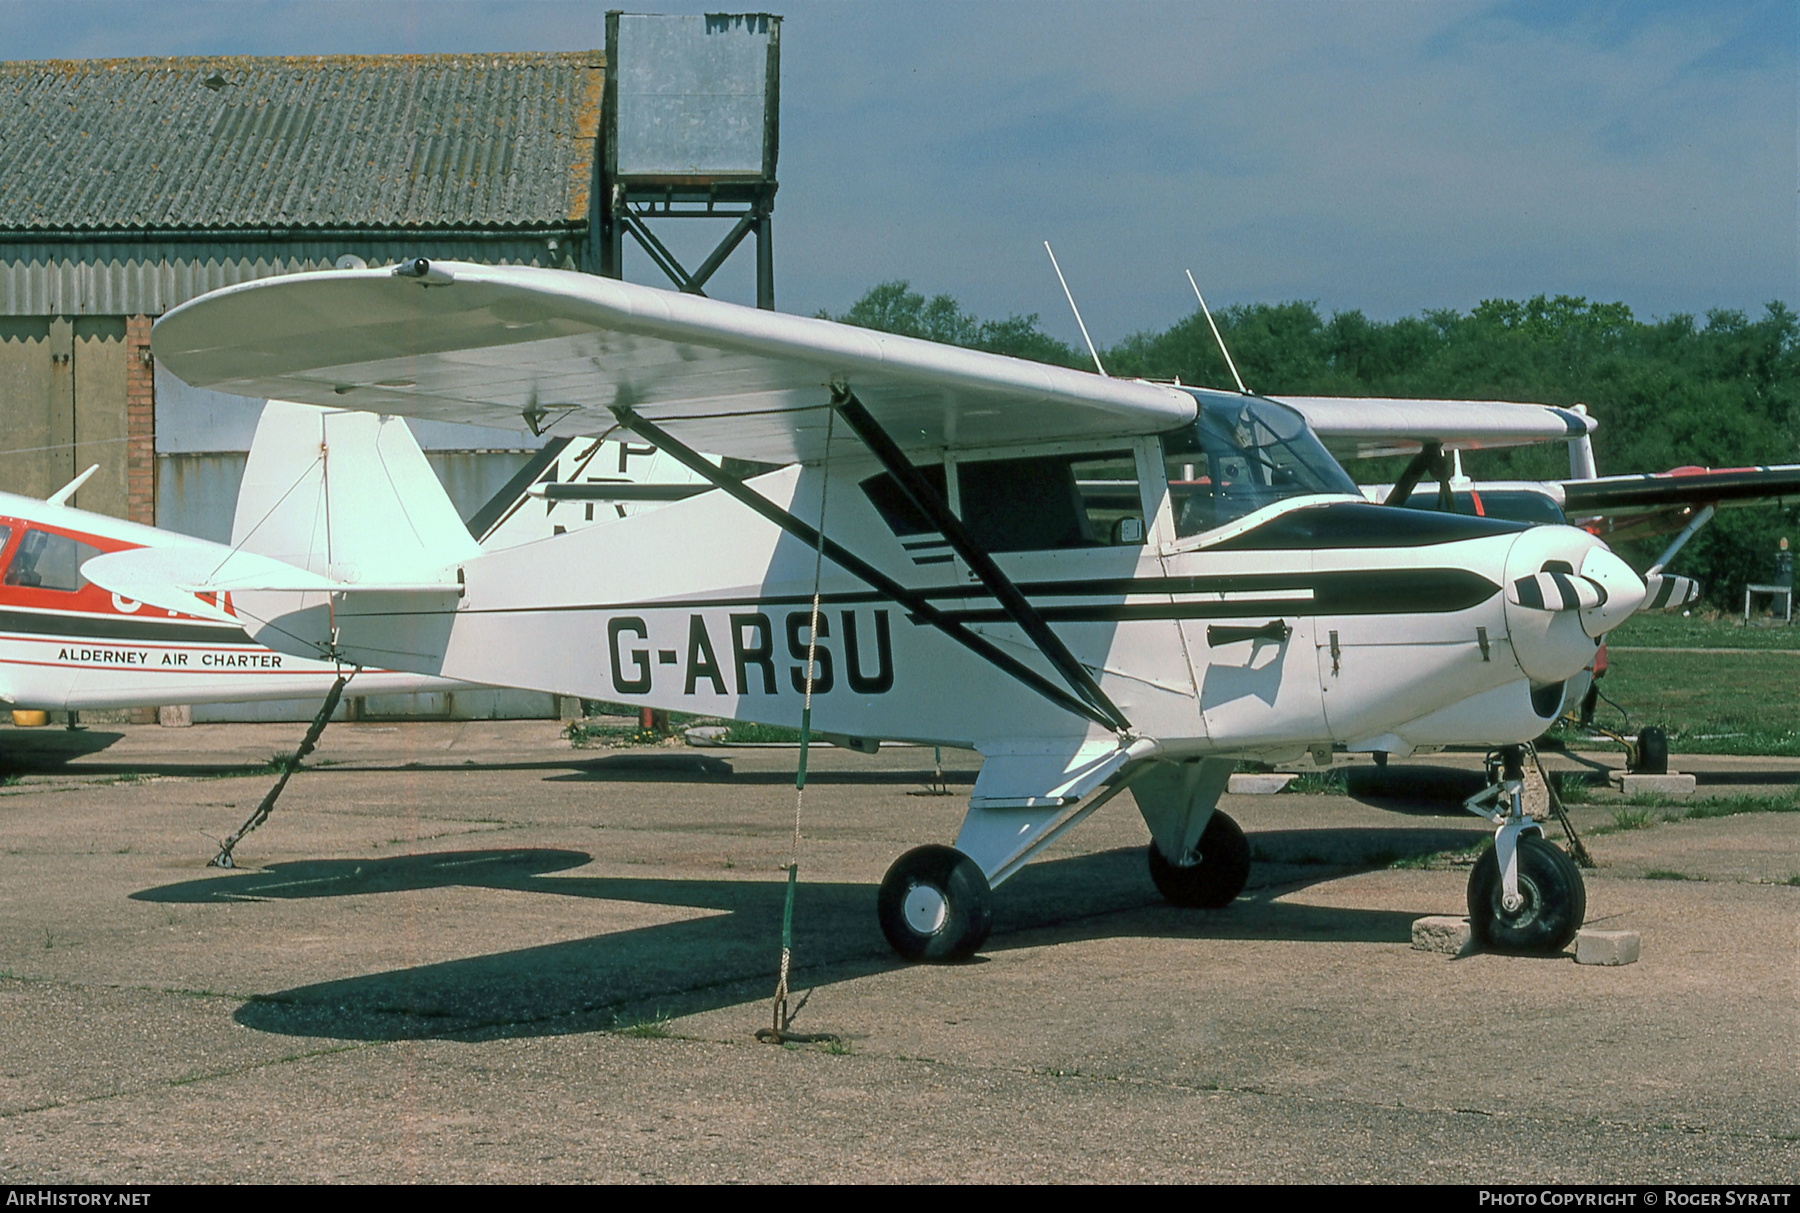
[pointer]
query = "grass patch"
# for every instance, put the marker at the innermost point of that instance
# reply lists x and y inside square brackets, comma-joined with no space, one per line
[654,1028]
[1667,874]
[1710,703]
[1331,782]
[1461,858]
[745,731]
[1630,819]
[1732,806]
[1572,787]
[1701,631]
[1643,812]
[609,732]
[1793,880]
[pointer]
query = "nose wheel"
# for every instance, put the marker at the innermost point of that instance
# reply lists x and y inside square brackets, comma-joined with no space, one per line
[1219,868]
[1525,895]
[935,905]
[1550,903]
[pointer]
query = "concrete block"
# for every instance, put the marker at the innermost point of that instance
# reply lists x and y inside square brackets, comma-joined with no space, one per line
[1672,784]
[175,716]
[706,734]
[1605,947]
[1442,933]
[1258,785]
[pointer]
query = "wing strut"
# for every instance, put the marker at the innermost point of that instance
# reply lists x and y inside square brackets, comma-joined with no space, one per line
[1430,461]
[1018,608]
[912,600]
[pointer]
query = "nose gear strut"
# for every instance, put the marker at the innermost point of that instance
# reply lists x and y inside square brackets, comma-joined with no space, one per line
[1539,909]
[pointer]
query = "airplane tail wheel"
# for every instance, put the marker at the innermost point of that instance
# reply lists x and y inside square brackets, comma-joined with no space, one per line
[1555,900]
[1215,878]
[935,905]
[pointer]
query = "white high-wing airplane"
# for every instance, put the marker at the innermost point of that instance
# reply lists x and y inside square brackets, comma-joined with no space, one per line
[1096,583]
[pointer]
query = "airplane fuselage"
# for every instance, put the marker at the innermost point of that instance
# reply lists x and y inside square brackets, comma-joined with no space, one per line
[1315,619]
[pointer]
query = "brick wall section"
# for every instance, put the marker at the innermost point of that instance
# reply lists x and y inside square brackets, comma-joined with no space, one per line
[140,423]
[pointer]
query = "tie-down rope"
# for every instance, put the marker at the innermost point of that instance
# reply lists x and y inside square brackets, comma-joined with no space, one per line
[783,1014]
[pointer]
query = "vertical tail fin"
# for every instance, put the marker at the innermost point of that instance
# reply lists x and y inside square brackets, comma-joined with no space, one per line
[346,495]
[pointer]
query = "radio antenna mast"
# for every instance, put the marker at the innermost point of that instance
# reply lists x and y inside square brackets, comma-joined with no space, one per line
[1078,321]
[1205,311]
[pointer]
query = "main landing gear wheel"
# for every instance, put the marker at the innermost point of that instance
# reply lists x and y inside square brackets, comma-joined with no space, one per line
[935,905]
[1217,874]
[1554,900]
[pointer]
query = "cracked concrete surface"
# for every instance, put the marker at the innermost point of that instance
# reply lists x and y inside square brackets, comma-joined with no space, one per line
[516,961]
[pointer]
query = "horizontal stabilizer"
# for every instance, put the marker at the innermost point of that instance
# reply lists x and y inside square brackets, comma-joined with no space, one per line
[383,625]
[159,575]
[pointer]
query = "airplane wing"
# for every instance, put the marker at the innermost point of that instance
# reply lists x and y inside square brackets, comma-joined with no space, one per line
[1683,486]
[554,351]
[1362,427]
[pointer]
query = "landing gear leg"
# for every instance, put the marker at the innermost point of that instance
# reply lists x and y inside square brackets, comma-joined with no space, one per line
[1525,895]
[1198,856]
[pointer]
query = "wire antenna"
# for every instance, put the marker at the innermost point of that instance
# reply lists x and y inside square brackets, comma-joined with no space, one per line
[1207,312]
[1067,294]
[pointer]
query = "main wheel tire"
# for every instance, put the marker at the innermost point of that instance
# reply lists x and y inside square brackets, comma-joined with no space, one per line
[1215,878]
[935,905]
[1555,900]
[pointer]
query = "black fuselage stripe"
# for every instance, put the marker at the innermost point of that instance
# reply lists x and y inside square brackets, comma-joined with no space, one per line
[1366,592]
[1405,591]
[92,627]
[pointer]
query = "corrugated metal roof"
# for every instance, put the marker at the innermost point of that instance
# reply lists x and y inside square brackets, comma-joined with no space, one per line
[238,143]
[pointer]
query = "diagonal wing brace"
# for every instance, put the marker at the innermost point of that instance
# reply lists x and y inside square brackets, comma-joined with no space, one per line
[1018,608]
[912,600]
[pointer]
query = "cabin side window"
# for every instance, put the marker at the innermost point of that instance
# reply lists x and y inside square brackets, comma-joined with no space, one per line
[1051,502]
[47,561]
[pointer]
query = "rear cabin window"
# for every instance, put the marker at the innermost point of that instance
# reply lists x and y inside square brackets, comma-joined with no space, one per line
[1052,502]
[47,561]
[1514,505]
[896,509]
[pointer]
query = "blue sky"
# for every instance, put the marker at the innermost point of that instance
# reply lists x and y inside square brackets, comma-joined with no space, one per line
[1391,157]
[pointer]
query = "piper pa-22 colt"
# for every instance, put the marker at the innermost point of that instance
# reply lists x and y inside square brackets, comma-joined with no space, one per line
[1096,583]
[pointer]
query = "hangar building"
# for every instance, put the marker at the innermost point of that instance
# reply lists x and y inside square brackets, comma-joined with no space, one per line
[128,186]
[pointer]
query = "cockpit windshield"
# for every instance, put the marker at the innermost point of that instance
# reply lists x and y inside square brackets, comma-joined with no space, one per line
[1242,453]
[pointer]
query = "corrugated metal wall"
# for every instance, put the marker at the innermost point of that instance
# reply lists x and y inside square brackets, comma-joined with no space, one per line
[131,278]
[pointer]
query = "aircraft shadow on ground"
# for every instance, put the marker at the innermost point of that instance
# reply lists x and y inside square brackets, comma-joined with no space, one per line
[679,767]
[728,956]
[52,756]
[27,751]
[1413,789]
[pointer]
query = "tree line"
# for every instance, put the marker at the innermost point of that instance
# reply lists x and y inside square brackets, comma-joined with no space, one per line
[1717,391]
